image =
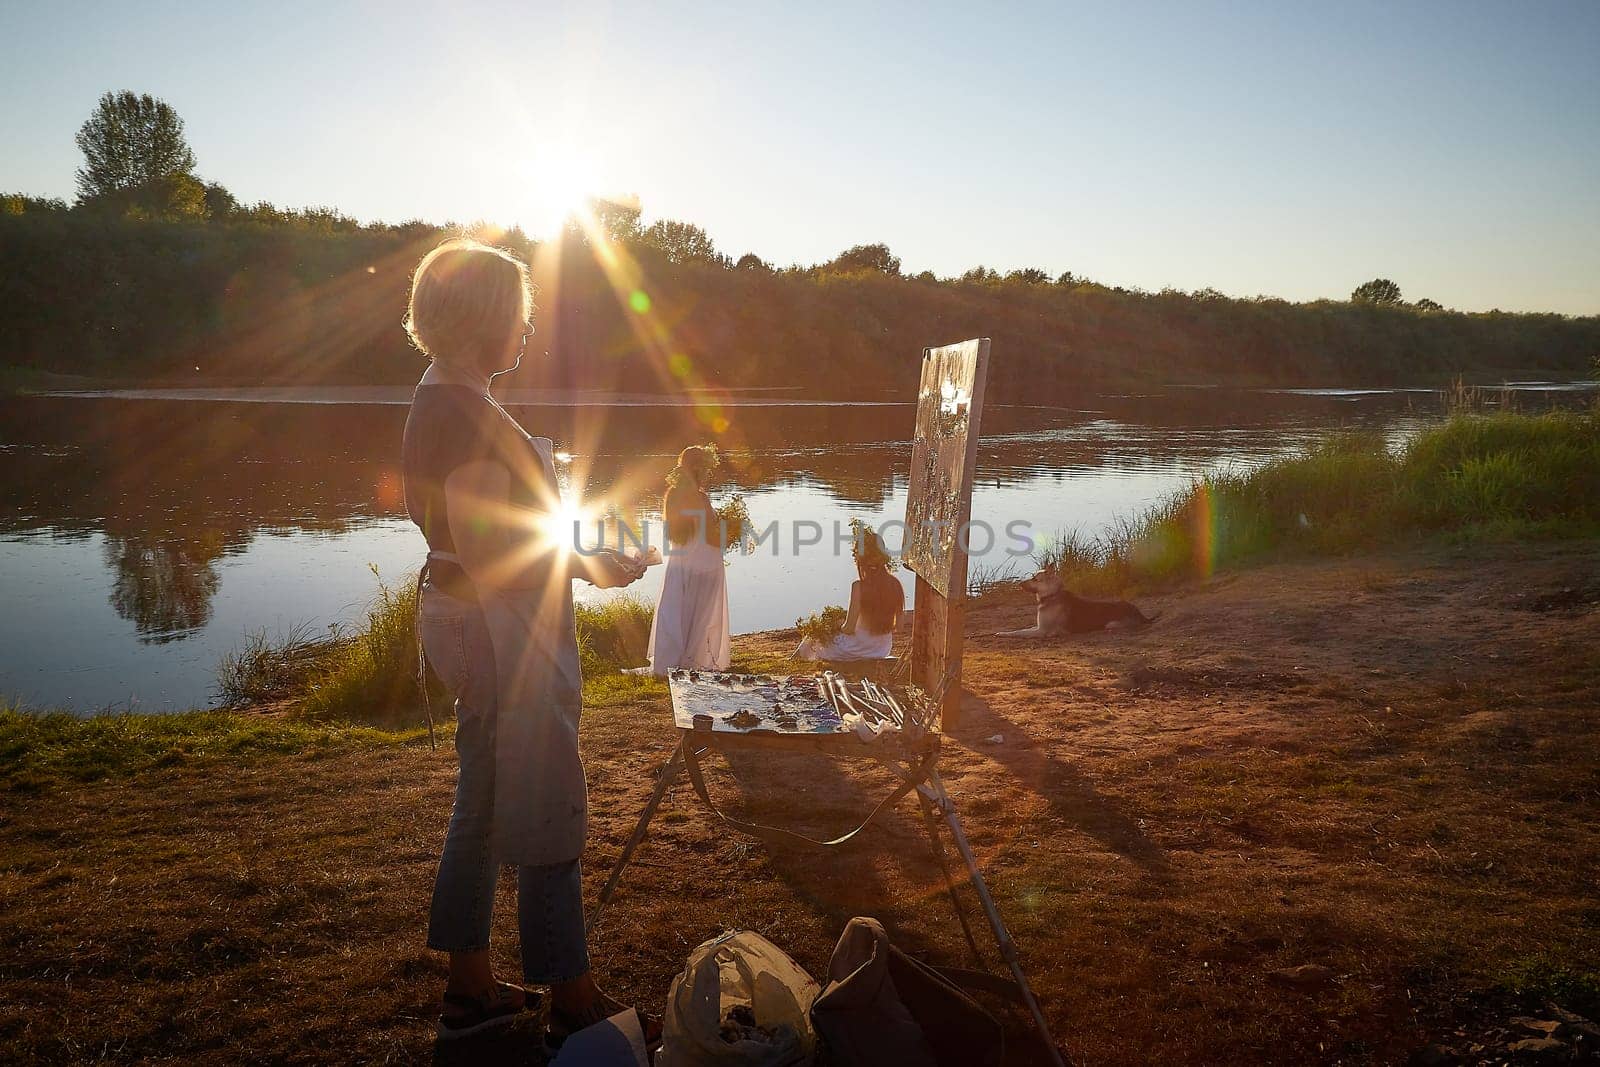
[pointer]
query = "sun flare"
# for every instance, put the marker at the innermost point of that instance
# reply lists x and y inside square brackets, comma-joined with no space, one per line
[566,525]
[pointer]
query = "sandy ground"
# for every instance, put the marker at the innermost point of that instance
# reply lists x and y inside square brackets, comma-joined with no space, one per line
[1385,768]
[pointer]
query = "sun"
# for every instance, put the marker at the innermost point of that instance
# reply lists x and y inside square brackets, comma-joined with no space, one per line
[562,181]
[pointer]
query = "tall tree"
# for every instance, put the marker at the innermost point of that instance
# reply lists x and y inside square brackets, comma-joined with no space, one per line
[617,219]
[875,257]
[131,141]
[679,242]
[1380,291]
[220,203]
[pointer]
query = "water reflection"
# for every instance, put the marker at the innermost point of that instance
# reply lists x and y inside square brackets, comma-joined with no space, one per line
[164,585]
[145,537]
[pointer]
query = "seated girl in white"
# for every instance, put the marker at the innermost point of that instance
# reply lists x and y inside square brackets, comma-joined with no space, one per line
[876,601]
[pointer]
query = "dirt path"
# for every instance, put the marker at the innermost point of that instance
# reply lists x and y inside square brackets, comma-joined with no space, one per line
[1384,767]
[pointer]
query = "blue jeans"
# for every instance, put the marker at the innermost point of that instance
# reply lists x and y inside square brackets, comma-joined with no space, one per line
[549,898]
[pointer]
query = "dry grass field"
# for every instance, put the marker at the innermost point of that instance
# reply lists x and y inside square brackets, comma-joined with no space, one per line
[1323,812]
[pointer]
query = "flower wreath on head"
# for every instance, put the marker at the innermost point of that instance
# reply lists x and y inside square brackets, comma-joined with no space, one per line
[714,461]
[866,544]
[718,456]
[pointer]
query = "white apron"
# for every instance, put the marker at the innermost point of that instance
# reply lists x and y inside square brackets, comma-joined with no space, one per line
[541,801]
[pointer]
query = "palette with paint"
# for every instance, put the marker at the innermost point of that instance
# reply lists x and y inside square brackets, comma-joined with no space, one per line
[740,703]
[793,706]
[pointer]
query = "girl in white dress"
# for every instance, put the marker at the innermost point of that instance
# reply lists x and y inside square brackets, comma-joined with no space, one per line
[691,622]
[876,602]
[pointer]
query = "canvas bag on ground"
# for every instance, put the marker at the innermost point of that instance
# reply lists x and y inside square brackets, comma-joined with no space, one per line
[880,1006]
[739,968]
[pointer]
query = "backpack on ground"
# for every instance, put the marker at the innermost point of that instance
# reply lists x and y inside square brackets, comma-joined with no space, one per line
[880,1006]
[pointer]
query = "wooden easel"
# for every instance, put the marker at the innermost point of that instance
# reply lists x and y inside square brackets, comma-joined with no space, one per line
[939,505]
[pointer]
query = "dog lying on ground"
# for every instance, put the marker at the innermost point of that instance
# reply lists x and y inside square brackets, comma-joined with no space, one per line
[1062,612]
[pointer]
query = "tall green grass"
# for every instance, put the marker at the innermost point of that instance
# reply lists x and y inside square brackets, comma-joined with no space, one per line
[614,633]
[1475,476]
[265,669]
[1507,471]
[369,674]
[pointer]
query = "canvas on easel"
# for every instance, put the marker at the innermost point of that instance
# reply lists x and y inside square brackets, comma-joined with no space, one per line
[944,456]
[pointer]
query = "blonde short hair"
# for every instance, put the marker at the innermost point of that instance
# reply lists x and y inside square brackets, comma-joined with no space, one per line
[465,294]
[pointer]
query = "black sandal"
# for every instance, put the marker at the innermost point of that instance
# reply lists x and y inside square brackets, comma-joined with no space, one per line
[478,1013]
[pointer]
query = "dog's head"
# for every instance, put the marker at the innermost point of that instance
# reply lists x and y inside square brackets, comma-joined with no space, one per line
[1044,584]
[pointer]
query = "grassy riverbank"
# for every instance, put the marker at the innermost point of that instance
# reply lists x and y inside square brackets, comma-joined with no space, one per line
[1504,476]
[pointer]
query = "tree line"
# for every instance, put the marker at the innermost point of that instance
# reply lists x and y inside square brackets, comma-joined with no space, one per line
[156,274]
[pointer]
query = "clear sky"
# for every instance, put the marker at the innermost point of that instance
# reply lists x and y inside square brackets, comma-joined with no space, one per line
[1294,149]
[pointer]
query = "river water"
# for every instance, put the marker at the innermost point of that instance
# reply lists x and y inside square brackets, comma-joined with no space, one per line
[144,534]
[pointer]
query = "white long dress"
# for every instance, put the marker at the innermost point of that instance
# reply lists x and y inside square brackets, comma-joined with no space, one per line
[691,623]
[863,644]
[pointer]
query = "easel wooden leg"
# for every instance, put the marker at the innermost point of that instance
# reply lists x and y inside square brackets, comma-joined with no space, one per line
[668,774]
[936,642]
[934,792]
